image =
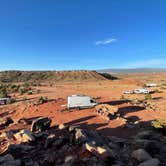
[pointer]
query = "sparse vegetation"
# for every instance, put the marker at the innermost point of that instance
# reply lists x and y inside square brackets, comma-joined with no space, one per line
[3,91]
[159,124]
[122,97]
[148,97]
[6,89]
[11,101]
[157,91]
[34,78]
[42,100]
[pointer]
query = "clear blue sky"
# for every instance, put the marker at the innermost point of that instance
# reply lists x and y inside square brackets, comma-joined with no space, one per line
[82,34]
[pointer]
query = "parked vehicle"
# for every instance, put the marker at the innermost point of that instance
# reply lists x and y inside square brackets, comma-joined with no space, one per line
[141,91]
[151,85]
[127,92]
[80,101]
[4,100]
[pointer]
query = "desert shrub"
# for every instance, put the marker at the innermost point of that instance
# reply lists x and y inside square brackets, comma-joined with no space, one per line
[148,97]
[64,110]
[157,91]
[26,85]
[163,87]
[29,92]
[3,92]
[22,91]
[144,85]
[42,100]
[122,97]
[159,125]
[11,100]
[14,88]
[164,84]
[38,91]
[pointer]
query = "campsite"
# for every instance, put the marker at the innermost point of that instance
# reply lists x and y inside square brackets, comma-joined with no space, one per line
[82,83]
[107,91]
[127,115]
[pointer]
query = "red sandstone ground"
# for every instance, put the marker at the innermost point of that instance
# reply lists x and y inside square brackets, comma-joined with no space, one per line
[109,91]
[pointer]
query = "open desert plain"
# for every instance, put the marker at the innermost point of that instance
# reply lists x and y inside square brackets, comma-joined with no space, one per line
[47,97]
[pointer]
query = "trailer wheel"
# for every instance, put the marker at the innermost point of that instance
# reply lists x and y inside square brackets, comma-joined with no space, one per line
[78,108]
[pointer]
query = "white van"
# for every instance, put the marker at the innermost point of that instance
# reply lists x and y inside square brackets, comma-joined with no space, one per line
[141,91]
[80,101]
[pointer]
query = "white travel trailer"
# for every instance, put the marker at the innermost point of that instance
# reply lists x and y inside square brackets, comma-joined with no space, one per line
[141,91]
[80,101]
[151,85]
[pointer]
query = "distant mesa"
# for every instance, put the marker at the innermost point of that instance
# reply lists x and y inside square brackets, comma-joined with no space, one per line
[51,76]
[132,70]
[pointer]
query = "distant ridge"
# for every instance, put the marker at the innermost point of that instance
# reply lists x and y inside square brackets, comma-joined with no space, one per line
[52,76]
[132,70]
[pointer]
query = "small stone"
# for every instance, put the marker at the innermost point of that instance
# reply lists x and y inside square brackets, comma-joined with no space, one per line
[5,121]
[152,162]
[24,136]
[136,122]
[62,127]
[102,152]
[7,135]
[80,136]
[141,155]
[71,128]
[19,148]
[69,159]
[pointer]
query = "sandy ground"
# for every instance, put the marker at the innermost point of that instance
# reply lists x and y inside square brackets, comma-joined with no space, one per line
[109,91]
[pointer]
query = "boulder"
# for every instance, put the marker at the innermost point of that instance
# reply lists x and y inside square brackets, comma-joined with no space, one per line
[24,136]
[80,136]
[5,121]
[141,155]
[58,142]
[50,139]
[69,160]
[13,148]
[102,152]
[7,135]
[62,126]
[41,124]
[145,134]
[151,162]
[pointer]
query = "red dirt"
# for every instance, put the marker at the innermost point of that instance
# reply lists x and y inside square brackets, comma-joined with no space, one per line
[109,91]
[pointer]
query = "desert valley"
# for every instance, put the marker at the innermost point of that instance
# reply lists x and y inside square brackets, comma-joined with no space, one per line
[44,94]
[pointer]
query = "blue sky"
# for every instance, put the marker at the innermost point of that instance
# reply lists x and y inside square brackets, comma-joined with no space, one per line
[82,34]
